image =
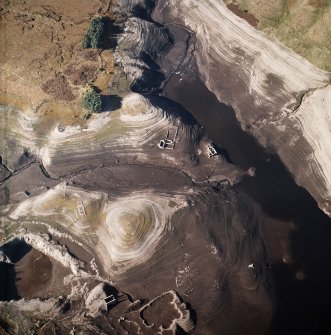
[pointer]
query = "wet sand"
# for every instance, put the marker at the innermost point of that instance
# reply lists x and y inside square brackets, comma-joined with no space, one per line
[297,232]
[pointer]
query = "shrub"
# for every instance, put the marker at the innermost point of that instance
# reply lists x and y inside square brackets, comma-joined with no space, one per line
[94,34]
[86,42]
[92,101]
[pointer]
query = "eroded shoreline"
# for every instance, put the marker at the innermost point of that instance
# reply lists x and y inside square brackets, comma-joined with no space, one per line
[271,89]
[290,210]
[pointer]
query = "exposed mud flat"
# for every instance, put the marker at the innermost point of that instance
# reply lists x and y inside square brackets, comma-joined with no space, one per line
[131,219]
[275,82]
[298,267]
[202,234]
[124,210]
[132,134]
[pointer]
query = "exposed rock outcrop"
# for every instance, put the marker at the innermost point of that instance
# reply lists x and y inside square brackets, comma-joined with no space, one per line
[145,48]
[137,52]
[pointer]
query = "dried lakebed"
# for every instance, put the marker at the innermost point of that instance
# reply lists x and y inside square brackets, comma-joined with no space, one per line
[140,200]
[132,220]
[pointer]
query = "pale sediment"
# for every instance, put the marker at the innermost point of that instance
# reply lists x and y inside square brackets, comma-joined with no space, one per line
[132,228]
[313,118]
[124,232]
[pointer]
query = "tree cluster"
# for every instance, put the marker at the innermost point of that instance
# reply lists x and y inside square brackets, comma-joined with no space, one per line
[95,33]
[92,101]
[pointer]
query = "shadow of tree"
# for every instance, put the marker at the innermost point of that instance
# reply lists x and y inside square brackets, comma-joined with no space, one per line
[111,31]
[111,102]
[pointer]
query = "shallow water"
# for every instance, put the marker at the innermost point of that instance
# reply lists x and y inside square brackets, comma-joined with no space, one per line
[297,232]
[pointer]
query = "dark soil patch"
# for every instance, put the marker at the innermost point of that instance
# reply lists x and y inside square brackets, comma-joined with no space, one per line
[317,3]
[250,18]
[91,55]
[82,75]
[59,88]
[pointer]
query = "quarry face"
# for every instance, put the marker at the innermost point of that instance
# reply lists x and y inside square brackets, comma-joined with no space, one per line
[175,207]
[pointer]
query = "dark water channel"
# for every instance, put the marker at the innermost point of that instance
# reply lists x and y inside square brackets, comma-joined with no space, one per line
[302,279]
